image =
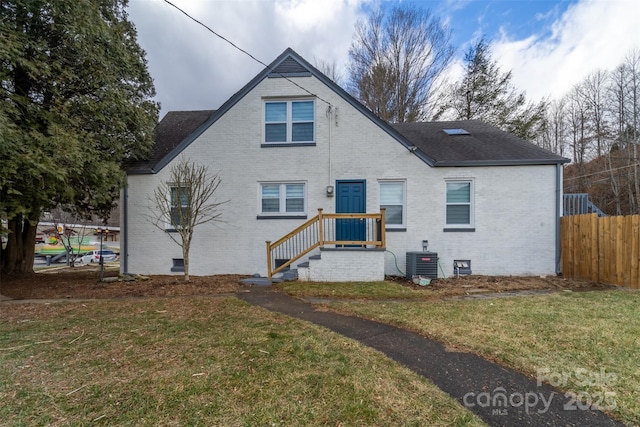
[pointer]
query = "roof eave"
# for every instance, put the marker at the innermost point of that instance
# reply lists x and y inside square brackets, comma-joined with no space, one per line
[139,171]
[519,162]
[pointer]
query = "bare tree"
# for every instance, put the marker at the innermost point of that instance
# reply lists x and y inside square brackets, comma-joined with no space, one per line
[632,64]
[554,137]
[71,230]
[592,90]
[618,106]
[603,114]
[577,114]
[329,69]
[396,59]
[184,202]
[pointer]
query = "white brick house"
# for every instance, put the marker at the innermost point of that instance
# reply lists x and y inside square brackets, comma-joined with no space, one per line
[290,136]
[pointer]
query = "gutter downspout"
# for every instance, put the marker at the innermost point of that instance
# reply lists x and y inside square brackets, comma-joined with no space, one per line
[558,215]
[331,113]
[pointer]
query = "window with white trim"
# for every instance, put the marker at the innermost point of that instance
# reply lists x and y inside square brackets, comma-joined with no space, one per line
[392,198]
[282,198]
[179,205]
[289,122]
[459,202]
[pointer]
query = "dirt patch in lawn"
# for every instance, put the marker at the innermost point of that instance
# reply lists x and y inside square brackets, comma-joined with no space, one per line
[479,285]
[82,282]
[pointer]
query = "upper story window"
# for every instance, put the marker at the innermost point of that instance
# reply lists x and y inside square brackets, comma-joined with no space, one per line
[282,199]
[289,122]
[459,210]
[392,198]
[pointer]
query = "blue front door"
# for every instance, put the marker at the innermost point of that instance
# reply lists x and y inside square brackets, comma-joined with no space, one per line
[351,198]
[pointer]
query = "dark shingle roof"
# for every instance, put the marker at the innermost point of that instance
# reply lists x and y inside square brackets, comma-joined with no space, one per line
[485,145]
[174,128]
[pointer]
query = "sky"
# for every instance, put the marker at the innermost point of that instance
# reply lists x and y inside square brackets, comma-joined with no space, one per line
[549,46]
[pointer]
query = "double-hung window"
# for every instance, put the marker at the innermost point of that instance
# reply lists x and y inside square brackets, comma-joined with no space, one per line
[459,211]
[282,199]
[392,198]
[179,206]
[289,122]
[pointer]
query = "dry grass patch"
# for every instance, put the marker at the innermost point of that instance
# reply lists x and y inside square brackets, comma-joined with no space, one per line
[400,288]
[585,342]
[199,361]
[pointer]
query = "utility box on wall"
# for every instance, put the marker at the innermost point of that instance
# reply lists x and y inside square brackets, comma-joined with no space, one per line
[461,267]
[422,264]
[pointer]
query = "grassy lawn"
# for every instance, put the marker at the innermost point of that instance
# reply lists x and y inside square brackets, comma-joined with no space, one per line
[199,361]
[584,342]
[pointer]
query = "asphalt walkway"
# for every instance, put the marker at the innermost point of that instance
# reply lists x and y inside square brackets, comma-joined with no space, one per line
[500,396]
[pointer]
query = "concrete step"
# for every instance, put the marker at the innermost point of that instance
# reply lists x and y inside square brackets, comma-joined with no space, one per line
[290,275]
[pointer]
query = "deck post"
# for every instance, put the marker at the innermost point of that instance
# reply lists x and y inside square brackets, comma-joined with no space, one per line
[320,228]
[269,270]
[383,228]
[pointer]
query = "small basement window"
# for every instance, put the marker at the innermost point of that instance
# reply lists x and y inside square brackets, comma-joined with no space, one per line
[178,264]
[456,131]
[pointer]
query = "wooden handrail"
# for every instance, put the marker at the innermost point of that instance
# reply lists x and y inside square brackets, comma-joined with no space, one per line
[294,232]
[304,238]
[352,215]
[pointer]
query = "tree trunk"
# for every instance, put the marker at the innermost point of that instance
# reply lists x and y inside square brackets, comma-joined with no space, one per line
[185,258]
[19,253]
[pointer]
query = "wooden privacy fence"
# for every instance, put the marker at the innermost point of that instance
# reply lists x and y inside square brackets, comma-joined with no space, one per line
[601,249]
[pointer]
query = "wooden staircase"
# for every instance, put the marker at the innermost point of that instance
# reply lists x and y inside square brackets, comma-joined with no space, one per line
[327,232]
[579,204]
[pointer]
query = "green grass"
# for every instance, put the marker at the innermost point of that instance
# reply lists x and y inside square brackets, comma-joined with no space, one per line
[586,342]
[199,361]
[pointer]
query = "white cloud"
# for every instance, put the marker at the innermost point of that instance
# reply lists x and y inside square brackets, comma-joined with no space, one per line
[194,69]
[590,35]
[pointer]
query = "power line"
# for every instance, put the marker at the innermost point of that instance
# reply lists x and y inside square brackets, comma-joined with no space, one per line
[601,172]
[245,52]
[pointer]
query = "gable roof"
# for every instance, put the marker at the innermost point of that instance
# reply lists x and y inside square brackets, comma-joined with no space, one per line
[481,145]
[174,128]
[288,64]
[490,146]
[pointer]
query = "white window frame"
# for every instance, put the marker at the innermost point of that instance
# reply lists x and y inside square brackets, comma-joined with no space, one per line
[403,224]
[288,121]
[175,205]
[282,197]
[471,203]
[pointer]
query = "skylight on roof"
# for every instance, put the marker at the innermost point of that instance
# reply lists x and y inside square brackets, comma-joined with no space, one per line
[457,131]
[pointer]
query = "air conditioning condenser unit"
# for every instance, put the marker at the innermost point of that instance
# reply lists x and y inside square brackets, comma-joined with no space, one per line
[423,264]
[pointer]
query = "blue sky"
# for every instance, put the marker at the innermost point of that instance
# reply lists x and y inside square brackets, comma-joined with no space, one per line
[548,45]
[520,19]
